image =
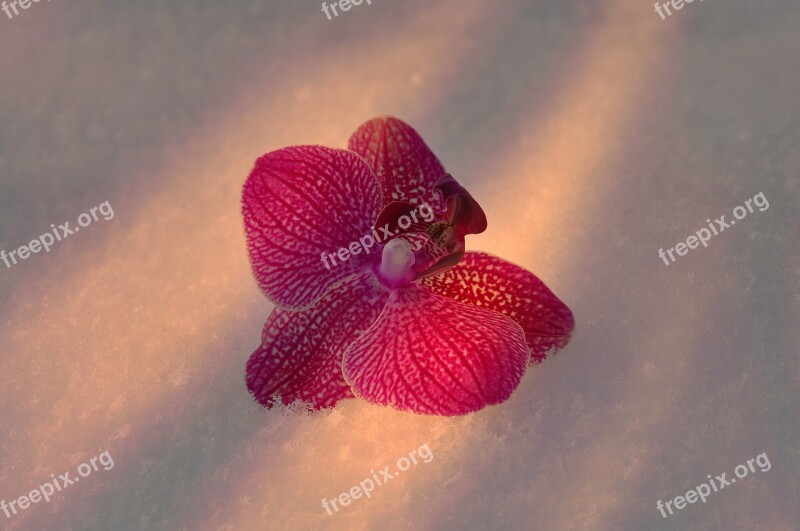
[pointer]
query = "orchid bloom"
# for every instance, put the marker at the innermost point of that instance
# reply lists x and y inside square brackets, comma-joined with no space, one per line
[415,322]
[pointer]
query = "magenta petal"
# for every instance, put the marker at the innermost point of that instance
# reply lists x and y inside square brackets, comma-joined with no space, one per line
[300,356]
[429,354]
[483,280]
[406,167]
[298,203]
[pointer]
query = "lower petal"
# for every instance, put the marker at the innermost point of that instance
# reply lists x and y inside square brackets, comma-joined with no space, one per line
[429,354]
[483,280]
[300,357]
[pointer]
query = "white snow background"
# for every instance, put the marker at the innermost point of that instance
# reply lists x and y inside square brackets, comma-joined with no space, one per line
[592,135]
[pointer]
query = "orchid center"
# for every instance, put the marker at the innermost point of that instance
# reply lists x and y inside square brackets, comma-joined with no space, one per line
[397,263]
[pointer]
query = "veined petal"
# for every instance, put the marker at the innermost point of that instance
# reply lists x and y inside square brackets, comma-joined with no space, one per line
[300,356]
[301,202]
[489,282]
[430,354]
[405,166]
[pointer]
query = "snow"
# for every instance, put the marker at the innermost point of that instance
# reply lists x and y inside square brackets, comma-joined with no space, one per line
[591,135]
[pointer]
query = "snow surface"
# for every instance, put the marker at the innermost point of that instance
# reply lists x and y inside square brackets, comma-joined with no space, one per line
[592,135]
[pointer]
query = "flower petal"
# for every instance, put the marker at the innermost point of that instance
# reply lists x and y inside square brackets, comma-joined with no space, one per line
[433,355]
[298,203]
[300,356]
[483,280]
[406,167]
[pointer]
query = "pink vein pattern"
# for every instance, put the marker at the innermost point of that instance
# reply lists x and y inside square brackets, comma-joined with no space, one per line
[489,282]
[300,356]
[298,203]
[430,354]
[405,166]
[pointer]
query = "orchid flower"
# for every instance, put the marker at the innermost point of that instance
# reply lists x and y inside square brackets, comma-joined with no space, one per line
[414,322]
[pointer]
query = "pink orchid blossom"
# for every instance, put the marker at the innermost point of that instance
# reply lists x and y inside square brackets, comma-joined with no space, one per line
[415,322]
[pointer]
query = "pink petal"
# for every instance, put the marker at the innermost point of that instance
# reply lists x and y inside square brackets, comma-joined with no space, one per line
[298,203]
[406,167]
[300,356]
[483,280]
[433,355]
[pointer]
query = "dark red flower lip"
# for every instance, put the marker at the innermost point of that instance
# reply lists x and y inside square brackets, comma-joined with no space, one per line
[463,212]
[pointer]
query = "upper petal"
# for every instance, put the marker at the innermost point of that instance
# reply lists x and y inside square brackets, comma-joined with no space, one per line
[298,203]
[483,280]
[433,355]
[300,356]
[406,167]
